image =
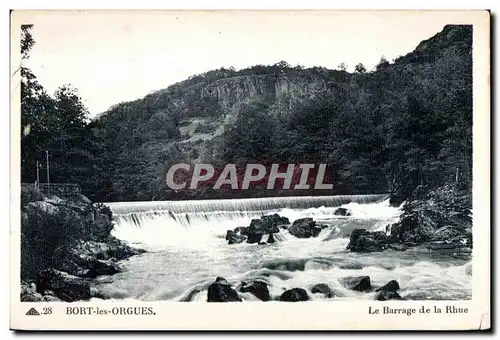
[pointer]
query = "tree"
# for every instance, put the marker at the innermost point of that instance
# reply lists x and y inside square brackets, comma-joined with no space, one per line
[71,110]
[251,135]
[360,68]
[342,67]
[35,107]
[27,41]
[282,64]
[383,63]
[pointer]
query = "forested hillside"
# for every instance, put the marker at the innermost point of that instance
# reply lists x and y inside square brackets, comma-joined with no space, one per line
[408,122]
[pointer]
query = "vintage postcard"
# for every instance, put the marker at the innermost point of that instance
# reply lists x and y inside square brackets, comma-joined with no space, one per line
[250,170]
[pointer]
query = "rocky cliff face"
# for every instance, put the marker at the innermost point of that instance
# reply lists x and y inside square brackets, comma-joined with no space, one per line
[228,95]
[449,36]
[231,93]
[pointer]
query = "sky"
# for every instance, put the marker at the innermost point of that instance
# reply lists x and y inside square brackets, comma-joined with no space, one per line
[112,57]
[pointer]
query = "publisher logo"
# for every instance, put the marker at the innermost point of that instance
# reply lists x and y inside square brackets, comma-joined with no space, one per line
[231,176]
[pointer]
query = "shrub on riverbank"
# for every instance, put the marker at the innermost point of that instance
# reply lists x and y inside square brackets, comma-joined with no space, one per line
[45,227]
[442,214]
[68,235]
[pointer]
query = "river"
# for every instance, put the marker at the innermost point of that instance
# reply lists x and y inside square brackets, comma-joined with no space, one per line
[187,250]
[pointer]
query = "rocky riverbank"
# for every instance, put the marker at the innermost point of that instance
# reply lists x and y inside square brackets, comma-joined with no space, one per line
[65,243]
[433,220]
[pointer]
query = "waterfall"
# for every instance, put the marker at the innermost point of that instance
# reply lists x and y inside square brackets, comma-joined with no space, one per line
[246,204]
[161,222]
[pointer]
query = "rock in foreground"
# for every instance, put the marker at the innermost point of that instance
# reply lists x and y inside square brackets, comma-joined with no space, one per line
[66,287]
[388,292]
[322,288]
[221,291]
[294,295]
[357,283]
[29,294]
[391,285]
[388,295]
[257,288]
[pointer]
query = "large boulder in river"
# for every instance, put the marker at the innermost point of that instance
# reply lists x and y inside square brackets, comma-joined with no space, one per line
[66,287]
[322,288]
[267,224]
[221,291]
[263,226]
[276,220]
[342,212]
[304,228]
[294,295]
[388,291]
[357,283]
[234,237]
[365,241]
[254,237]
[385,295]
[391,285]
[257,288]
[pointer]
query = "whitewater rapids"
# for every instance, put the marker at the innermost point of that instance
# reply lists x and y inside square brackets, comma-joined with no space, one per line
[187,250]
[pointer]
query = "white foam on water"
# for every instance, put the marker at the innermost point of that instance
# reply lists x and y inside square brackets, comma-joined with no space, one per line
[196,225]
[380,210]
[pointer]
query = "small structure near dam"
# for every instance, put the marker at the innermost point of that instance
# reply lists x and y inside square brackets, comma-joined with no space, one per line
[63,190]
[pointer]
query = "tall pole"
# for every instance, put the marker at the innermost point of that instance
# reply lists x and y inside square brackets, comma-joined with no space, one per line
[37,174]
[48,169]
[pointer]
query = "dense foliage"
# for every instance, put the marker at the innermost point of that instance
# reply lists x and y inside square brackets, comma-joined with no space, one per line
[57,124]
[401,125]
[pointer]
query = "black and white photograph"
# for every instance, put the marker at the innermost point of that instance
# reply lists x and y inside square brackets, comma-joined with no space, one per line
[247,157]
